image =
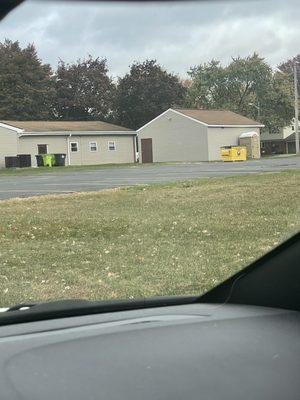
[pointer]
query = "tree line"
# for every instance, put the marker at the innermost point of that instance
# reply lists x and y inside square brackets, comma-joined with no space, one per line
[84,90]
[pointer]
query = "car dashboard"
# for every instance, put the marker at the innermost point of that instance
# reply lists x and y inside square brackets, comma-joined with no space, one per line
[192,351]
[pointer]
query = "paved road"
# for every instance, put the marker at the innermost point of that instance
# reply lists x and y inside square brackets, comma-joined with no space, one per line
[68,182]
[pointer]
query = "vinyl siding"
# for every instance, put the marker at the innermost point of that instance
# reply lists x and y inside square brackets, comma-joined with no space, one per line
[124,152]
[218,137]
[8,144]
[281,134]
[175,138]
[28,145]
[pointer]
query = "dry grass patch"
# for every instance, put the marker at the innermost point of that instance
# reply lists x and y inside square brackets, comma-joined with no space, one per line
[142,241]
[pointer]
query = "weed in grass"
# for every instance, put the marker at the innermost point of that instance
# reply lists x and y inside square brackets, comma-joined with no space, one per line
[141,241]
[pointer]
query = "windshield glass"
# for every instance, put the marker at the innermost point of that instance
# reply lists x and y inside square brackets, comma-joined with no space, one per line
[145,148]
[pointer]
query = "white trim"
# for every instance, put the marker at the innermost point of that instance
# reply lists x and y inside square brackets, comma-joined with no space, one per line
[42,144]
[191,118]
[175,112]
[115,147]
[77,143]
[93,151]
[200,122]
[68,149]
[220,125]
[235,126]
[12,128]
[77,133]
[154,119]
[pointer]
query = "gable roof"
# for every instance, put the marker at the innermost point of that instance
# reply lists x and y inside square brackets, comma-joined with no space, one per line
[291,137]
[218,117]
[63,126]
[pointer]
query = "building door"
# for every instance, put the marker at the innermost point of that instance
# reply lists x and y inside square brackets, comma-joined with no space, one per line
[42,149]
[291,147]
[146,147]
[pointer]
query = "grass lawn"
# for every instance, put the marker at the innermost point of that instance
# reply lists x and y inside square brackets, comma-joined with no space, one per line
[178,238]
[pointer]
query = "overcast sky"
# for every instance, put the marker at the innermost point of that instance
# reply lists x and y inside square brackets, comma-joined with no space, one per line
[178,35]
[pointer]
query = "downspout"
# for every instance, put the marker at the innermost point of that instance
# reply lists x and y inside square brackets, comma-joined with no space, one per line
[18,142]
[134,149]
[68,149]
[19,134]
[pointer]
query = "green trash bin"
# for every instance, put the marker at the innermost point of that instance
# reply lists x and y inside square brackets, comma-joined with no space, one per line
[48,160]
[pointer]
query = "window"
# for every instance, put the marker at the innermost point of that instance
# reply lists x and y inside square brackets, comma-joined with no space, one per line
[187,233]
[93,146]
[74,147]
[42,148]
[111,145]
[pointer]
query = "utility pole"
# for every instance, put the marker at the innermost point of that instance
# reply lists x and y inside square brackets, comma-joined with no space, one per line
[296,109]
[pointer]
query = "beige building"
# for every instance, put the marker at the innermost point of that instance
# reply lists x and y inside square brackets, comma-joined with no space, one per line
[281,142]
[191,135]
[281,134]
[83,142]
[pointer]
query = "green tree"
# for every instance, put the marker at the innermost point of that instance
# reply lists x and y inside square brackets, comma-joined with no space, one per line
[84,91]
[208,87]
[145,92]
[277,109]
[248,79]
[287,68]
[245,82]
[26,84]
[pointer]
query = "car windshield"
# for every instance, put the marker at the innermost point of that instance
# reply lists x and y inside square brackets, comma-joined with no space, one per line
[146,148]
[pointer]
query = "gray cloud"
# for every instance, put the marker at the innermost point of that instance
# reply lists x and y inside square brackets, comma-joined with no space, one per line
[178,35]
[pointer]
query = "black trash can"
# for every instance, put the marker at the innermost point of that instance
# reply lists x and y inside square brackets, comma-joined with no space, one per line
[60,159]
[39,160]
[24,160]
[12,162]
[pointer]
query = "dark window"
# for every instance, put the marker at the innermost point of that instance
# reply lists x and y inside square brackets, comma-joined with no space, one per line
[111,146]
[42,148]
[93,146]
[74,147]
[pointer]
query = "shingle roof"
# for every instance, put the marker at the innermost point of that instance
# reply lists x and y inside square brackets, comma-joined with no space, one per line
[218,117]
[62,126]
[291,137]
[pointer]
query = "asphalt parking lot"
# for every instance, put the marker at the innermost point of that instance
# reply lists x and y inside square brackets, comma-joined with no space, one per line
[68,182]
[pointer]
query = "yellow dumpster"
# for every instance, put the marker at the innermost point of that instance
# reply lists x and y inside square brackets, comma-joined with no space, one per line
[233,153]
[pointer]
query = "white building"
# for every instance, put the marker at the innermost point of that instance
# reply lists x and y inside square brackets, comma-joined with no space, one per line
[191,134]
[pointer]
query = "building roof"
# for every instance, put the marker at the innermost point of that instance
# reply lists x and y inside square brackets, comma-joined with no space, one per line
[63,126]
[218,117]
[291,137]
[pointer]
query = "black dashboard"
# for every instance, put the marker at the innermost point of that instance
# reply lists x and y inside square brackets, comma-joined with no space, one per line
[195,351]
